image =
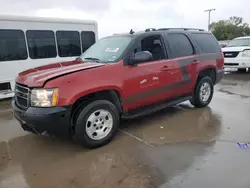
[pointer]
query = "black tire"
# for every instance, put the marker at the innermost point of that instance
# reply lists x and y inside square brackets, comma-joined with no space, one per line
[242,70]
[196,100]
[80,127]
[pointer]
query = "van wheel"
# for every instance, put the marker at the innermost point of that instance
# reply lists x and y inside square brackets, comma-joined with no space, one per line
[203,92]
[97,123]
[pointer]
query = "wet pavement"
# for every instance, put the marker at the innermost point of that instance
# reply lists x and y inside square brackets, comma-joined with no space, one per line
[179,147]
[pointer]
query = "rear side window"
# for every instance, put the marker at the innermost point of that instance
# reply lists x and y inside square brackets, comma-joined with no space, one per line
[180,45]
[12,45]
[41,44]
[88,38]
[207,42]
[68,43]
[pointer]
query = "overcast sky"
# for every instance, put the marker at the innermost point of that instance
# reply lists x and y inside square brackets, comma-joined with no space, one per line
[115,16]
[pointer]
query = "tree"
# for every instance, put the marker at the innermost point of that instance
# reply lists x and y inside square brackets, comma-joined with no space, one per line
[230,29]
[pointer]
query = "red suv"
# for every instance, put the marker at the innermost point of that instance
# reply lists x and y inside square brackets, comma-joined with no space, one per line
[120,76]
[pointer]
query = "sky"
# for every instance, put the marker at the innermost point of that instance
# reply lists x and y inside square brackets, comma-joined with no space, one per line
[114,16]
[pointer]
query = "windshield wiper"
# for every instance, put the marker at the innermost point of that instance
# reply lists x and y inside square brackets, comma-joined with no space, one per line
[92,58]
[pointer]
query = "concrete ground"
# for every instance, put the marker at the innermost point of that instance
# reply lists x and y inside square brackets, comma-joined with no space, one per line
[180,147]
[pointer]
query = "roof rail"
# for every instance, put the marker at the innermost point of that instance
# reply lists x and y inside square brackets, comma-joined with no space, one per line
[185,29]
[150,29]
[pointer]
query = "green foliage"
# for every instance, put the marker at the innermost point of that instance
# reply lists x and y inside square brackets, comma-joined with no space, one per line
[230,29]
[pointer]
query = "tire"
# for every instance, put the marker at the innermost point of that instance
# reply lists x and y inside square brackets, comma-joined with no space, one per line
[242,70]
[101,114]
[197,99]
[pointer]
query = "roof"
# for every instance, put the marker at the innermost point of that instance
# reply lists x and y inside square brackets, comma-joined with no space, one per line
[45,19]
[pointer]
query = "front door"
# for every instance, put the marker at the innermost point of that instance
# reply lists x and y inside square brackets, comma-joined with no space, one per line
[142,83]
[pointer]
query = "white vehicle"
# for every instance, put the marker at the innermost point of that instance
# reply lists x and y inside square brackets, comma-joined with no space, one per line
[237,54]
[27,42]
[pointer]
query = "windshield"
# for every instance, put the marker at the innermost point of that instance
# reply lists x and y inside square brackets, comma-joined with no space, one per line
[239,42]
[107,49]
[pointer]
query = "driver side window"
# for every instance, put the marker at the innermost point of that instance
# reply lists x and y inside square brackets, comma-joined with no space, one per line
[153,45]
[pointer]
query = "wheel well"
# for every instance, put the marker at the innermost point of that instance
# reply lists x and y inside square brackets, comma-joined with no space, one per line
[110,95]
[208,72]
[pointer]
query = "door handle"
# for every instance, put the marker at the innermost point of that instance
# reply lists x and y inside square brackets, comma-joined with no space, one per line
[165,68]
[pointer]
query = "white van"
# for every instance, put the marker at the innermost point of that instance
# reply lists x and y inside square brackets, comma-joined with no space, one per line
[27,42]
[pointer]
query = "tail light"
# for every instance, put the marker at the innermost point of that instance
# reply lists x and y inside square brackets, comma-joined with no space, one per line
[220,62]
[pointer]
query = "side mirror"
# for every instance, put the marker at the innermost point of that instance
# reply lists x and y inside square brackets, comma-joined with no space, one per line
[141,57]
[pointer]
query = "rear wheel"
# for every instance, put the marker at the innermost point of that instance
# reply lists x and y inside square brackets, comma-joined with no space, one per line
[97,123]
[203,92]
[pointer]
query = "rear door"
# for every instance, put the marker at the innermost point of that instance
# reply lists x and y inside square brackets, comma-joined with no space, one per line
[180,69]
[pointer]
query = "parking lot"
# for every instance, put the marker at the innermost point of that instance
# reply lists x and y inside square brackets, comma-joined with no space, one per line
[179,147]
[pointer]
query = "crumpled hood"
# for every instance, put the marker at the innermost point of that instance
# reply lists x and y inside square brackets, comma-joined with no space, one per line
[36,77]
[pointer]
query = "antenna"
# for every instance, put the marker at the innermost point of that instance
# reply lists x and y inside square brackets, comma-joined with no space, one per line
[131,32]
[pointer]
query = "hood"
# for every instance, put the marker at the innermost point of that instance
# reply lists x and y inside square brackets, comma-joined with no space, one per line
[36,77]
[235,48]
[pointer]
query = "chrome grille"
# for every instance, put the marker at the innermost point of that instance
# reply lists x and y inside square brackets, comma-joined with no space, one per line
[22,95]
[230,54]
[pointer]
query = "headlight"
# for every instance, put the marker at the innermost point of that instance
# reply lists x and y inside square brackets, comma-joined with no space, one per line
[44,97]
[246,53]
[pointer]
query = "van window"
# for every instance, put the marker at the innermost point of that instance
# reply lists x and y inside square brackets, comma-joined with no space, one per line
[41,44]
[12,45]
[88,38]
[180,45]
[207,42]
[68,43]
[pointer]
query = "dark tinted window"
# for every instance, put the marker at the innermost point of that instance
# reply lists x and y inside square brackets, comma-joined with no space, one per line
[88,38]
[180,45]
[12,45]
[41,44]
[207,42]
[68,43]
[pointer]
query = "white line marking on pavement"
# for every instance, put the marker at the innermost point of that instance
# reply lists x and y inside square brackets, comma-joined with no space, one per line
[139,139]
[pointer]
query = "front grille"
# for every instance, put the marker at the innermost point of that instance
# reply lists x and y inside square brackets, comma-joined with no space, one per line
[22,96]
[230,54]
[231,64]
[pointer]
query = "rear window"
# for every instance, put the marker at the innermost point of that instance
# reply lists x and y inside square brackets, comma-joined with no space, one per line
[207,42]
[180,45]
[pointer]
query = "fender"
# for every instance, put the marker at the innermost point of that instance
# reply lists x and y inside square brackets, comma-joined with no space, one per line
[94,90]
[204,68]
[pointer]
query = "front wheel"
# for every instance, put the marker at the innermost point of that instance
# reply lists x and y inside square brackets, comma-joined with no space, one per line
[203,92]
[97,123]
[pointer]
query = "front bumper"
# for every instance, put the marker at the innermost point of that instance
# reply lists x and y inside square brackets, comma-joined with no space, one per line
[237,63]
[53,121]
